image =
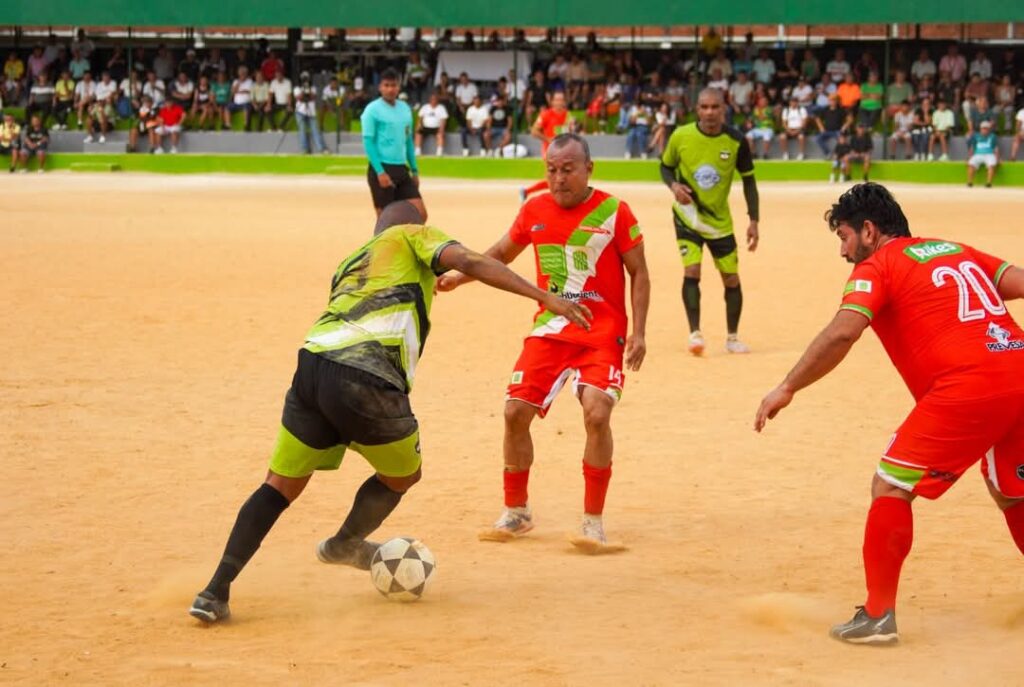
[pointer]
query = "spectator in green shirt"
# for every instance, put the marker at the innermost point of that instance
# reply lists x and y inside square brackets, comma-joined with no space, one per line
[898,91]
[871,92]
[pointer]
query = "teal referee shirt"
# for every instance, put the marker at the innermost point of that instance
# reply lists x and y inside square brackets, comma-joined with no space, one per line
[387,135]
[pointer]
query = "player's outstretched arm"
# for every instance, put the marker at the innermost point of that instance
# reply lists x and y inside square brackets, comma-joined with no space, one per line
[1011,284]
[505,250]
[640,297]
[493,273]
[826,351]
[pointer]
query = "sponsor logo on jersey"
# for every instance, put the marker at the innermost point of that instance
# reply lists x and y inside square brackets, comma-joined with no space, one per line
[706,176]
[577,296]
[857,286]
[724,155]
[1003,342]
[594,230]
[537,227]
[929,250]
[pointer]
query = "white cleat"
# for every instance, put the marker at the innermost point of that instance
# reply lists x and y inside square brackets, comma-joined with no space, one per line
[696,343]
[514,522]
[734,345]
[591,538]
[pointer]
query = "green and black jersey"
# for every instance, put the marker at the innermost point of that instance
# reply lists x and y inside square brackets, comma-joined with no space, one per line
[706,164]
[378,316]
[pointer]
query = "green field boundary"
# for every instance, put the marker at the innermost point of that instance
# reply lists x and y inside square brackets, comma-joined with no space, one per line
[1009,174]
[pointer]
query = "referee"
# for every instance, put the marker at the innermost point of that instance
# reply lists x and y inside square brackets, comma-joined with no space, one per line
[387,138]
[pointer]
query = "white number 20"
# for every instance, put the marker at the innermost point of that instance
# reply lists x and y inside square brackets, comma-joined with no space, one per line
[971,278]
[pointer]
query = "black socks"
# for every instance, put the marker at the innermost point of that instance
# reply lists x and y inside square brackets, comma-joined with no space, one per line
[691,301]
[373,502]
[733,308]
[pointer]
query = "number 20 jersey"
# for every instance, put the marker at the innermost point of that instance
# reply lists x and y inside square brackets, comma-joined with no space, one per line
[578,254]
[936,309]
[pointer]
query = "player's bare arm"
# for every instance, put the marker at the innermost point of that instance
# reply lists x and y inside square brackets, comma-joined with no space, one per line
[505,250]
[1011,284]
[493,273]
[640,296]
[826,351]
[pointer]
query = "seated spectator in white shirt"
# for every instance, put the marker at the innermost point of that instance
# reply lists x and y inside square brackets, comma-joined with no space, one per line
[102,108]
[838,68]
[923,66]
[182,90]
[981,65]
[903,122]
[722,64]
[432,120]
[943,121]
[764,67]
[477,115]
[155,89]
[794,122]
[241,98]
[85,91]
[718,81]
[465,91]
[740,93]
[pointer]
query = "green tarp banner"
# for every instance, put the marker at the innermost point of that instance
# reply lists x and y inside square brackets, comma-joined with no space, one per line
[474,13]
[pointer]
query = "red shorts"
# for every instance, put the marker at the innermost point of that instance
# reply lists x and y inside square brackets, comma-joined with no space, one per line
[545,365]
[941,438]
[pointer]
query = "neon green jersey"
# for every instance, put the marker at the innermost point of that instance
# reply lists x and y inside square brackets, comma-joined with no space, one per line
[706,164]
[378,316]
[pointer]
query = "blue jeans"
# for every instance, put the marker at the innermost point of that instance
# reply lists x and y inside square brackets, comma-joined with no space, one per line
[823,138]
[636,139]
[302,121]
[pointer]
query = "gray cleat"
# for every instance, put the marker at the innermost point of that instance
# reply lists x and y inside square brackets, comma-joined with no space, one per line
[358,554]
[864,629]
[209,608]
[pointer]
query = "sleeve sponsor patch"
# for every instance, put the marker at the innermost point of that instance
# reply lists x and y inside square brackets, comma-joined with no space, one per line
[857,286]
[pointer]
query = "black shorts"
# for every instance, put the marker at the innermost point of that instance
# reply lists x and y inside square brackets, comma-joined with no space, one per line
[6,150]
[429,130]
[330,404]
[402,185]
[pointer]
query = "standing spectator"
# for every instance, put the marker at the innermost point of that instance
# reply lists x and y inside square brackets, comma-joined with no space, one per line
[241,98]
[983,147]
[552,121]
[83,44]
[943,122]
[831,121]
[10,140]
[762,127]
[271,65]
[14,77]
[154,88]
[640,116]
[536,96]
[85,91]
[903,122]
[171,116]
[416,77]
[980,112]
[432,121]
[810,68]
[921,133]
[838,67]
[40,98]
[52,49]
[871,92]
[387,138]
[465,92]
[305,97]
[981,65]
[203,105]
[861,148]
[764,68]
[281,92]
[34,141]
[78,65]
[954,63]
[37,64]
[710,42]
[794,124]
[331,99]
[182,90]
[499,126]
[740,93]
[923,66]
[102,108]
[63,99]
[261,100]
[221,89]
[477,115]
[1005,99]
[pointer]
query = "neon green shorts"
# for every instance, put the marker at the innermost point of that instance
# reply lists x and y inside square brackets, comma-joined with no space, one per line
[292,458]
[691,249]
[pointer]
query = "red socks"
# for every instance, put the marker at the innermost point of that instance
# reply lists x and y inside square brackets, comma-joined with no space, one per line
[1015,520]
[515,488]
[595,482]
[888,536]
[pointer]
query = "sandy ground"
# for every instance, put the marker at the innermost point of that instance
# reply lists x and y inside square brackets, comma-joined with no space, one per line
[151,325]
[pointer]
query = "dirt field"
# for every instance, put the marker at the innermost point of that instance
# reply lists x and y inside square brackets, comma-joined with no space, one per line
[151,333]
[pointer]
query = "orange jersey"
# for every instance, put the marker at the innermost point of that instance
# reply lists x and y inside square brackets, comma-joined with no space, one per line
[936,309]
[578,254]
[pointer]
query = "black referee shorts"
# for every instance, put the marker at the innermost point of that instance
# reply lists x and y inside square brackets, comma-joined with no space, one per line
[402,185]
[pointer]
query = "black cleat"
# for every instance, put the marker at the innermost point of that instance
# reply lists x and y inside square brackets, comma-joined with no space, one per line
[864,629]
[209,608]
[358,553]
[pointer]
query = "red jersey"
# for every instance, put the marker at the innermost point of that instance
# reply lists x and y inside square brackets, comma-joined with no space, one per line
[936,309]
[171,114]
[578,254]
[551,124]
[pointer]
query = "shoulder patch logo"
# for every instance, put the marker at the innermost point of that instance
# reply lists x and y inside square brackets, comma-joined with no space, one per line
[517,377]
[857,286]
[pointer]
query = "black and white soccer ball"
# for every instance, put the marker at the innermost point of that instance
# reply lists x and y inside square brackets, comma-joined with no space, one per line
[401,568]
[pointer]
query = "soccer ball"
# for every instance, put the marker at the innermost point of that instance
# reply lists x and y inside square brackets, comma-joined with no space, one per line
[401,568]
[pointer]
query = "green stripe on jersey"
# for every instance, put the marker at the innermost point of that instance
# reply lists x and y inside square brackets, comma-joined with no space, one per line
[866,312]
[1000,272]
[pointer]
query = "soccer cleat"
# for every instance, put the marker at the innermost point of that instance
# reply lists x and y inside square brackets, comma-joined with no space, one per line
[358,554]
[696,343]
[863,629]
[514,522]
[591,538]
[209,608]
[734,345]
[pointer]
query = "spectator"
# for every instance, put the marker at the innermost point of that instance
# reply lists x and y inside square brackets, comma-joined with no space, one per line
[305,98]
[40,98]
[577,79]
[664,123]
[171,116]
[261,100]
[718,81]
[499,126]
[552,121]
[190,66]
[862,145]
[976,88]
[871,92]
[789,71]
[675,98]
[954,63]
[85,91]
[945,89]
[897,92]
[465,91]
[629,95]
[475,124]
[710,42]
[37,64]
[722,64]
[102,108]
[923,66]
[1005,99]
[10,140]
[810,68]
[221,89]
[903,122]
[639,129]
[831,122]
[1018,134]
[242,59]
[182,90]
[794,125]
[803,91]
[78,65]
[761,127]
[740,95]
[841,159]
[431,121]
[468,42]
[921,133]
[764,68]
[981,65]
[838,67]
[212,64]
[597,111]
[34,141]
[516,89]
[331,99]
[155,89]
[597,68]
[849,94]
[203,105]
[416,77]
[241,98]
[558,73]
[145,122]
[14,76]
[446,42]
[270,66]
[1009,63]
[980,112]
[536,96]
[281,101]
[52,49]
[63,99]
[83,44]
[865,65]
[943,122]
[983,150]
[824,92]
[139,63]
[129,95]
